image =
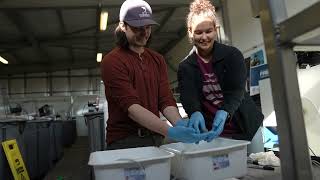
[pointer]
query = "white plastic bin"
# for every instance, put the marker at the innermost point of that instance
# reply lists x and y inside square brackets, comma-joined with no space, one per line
[220,159]
[144,163]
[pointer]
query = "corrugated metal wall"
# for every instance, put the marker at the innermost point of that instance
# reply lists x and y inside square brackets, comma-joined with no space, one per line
[61,83]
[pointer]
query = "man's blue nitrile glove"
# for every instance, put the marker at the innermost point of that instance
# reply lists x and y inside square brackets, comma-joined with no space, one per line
[197,122]
[182,122]
[185,134]
[218,125]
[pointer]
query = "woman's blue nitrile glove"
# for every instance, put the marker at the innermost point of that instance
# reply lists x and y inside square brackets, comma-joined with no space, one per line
[197,122]
[218,125]
[185,134]
[182,122]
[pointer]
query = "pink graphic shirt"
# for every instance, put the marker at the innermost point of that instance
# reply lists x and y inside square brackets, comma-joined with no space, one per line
[213,97]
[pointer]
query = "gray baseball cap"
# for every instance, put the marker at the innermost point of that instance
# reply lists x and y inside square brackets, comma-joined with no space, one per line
[136,13]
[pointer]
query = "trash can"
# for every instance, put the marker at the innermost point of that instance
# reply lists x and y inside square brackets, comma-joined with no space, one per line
[30,137]
[2,155]
[10,129]
[38,148]
[69,132]
[96,130]
[44,145]
[56,139]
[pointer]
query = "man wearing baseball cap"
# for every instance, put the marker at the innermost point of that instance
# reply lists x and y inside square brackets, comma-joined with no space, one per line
[137,87]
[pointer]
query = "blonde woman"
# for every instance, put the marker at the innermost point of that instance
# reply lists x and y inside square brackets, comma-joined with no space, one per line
[212,81]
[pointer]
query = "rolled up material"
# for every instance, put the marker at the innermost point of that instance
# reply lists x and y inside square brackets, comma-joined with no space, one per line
[312,123]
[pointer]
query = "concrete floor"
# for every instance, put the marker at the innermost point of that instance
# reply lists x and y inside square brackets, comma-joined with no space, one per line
[74,164]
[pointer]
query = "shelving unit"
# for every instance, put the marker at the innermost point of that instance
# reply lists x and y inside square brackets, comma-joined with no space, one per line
[281,34]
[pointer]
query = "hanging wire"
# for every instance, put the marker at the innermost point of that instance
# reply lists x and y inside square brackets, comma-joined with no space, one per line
[316,163]
[312,151]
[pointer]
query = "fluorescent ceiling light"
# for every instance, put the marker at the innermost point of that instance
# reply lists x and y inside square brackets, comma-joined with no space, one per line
[3,60]
[99,57]
[306,48]
[103,20]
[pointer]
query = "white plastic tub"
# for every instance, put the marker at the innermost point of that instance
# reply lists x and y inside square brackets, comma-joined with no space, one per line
[145,163]
[220,159]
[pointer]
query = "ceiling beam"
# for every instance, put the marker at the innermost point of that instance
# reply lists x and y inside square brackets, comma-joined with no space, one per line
[15,45]
[110,23]
[80,30]
[24,29]
[61,22]
[91,49]
[63,31]
[171,44]
[22,43]
[82,4]
[47,67]
[72,47]
[165,19]
[16,59]
[12,48]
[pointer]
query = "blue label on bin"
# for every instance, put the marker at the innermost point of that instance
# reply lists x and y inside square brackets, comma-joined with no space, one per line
[220,162]
[134,174]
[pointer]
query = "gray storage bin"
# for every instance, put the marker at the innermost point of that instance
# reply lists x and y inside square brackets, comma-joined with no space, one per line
[4,167]
[2,158]
[38,147]
[56,138]
[52,151]
[10,130]
[30,136]
[96,131]
[44,145]
[69,132]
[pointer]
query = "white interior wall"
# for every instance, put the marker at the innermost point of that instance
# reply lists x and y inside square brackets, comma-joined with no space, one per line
[3,99]
[295,6]
[267,106]
[246,32]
